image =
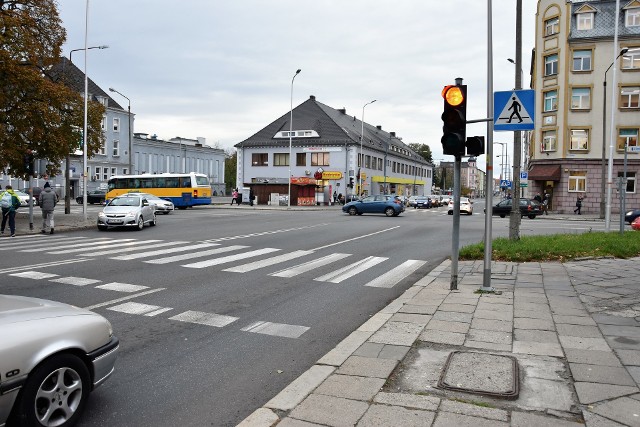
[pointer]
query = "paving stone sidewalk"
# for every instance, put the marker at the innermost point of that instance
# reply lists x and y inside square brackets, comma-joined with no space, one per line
[574,329]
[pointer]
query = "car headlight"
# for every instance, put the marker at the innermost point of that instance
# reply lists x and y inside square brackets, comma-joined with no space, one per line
[630,213]
[101,215]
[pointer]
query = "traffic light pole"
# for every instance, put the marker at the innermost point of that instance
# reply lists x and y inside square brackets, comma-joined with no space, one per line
[455,235]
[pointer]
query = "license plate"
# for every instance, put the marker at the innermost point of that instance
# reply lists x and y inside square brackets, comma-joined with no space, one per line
[114,221]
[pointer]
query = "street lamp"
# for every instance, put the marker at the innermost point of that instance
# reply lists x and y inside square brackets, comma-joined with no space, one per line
[86,109]
[129,114]
[519,69]
[361,139]
[502,164]
[290,135]
[604,138]
[67,180]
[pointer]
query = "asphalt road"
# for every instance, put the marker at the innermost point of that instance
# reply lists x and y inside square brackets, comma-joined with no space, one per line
[213,327]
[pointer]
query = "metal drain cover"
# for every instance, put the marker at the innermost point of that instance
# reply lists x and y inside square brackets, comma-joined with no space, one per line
[481,373]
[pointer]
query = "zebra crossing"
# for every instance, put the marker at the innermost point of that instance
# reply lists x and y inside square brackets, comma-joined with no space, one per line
[231,257]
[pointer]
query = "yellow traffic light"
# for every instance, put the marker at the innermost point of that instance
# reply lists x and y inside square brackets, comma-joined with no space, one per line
[453,95]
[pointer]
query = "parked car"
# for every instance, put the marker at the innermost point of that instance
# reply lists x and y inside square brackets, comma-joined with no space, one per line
[630,216]
[466,206]
[389,205]
[24,198]
[36,192]
[445,200]
[528,207]
[162,205]
[412,201]
[127,211]
[95,196]
[51,356]
[435,200]
[422,202]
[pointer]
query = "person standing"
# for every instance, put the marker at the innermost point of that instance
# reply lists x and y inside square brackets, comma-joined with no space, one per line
[10,203]
[578,204]
[251,196]
[234,196]
[48,201]
[538,198]
[545,203]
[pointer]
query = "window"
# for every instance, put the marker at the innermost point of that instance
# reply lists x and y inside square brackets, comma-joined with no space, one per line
[114,171]
[585,21]
[103,123]
[579,139]
[631,181]
[281,159]
[631,59]
[259,159]
[125,171]
[320,159]
[628,137]
[551,65]
[581,60]
[632,17]
[577,181]
[116,148]
[549,140]
[103,149]
[551,26]
[581,98]
[116,124]
[551,100]
[301,159]
[629,96]
[379,164]
[98,171]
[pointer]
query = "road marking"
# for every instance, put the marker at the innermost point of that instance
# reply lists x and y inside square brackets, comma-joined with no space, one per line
[267,262]
[66,246]
[117,300]
[356,238]
[141,309]
[230,258]
[395,275]
[195,255]
[136,248]
[351,270]
[164,251]
[37,275]
[264,233]
[75,281]
[202,318]
[107,246]
[6,246]
[301,268]
[276,329]
[44,264]
[121,287]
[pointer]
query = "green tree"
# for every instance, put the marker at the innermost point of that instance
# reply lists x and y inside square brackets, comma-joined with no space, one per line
[37,111]
[230,167]
[423,150]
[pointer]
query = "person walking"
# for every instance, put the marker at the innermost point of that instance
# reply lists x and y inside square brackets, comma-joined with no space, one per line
[578,204]
[234,196]
[538,198]
[48,201]
[545,203]
[10,203]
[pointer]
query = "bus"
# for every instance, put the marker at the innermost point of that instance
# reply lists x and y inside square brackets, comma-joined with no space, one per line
[185,190]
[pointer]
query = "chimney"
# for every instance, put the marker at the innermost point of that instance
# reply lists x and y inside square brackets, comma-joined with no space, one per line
[343,110]
[379,127]
[312,97]
[392,134]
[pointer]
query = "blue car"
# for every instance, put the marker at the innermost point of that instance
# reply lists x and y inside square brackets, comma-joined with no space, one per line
[387,204]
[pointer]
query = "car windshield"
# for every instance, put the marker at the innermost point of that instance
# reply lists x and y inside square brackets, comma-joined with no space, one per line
[125,201]
[20,193]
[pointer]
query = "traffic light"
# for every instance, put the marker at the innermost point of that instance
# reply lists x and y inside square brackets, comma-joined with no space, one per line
[28,163]
[350,185]
[475,145]
[454,118]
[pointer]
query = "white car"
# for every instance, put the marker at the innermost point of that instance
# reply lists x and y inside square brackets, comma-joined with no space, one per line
[24,198]
[51,356]
[127,211]
[162,205]
[466,206]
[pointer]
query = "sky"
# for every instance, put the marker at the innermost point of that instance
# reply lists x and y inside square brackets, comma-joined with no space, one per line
[223,69]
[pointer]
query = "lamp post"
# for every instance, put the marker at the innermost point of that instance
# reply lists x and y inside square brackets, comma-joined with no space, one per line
[86,105]
[604,133]
[361,139]
[290,136]
[128,114]
[67,180]
[502,174]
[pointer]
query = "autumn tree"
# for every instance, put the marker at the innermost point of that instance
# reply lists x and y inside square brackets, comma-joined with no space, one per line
[423,150]
[230,166]
[38,112]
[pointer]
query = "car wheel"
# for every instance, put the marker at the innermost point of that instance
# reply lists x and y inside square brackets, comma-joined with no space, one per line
[102,228]
[532,216]
[389,211]
[153,221]
[55,393]
[352,210]
[79,200]
[502,215]
[450,212]
[140,222]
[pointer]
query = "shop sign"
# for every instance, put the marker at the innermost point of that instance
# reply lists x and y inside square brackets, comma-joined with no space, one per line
[302,180]
[331,175]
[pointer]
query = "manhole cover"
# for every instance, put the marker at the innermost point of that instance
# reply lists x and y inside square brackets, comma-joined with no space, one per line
[481,373]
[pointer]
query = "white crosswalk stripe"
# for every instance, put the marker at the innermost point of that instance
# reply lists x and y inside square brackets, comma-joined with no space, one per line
[230,258]
[75,281]
[147,245]
[11,246]
[69,245]
[141,309]
[307,266]
[37,275]
[395,275]
[195,255]
[122,287]
[164,251]
[267,262]
[202,318]
[105,246]
[276,329]
[350,270]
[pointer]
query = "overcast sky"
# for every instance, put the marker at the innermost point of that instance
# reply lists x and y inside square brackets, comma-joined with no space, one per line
[222,69]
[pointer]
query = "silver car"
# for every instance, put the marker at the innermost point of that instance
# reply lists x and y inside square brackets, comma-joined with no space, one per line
[162,206]
[51,356]
[127,211]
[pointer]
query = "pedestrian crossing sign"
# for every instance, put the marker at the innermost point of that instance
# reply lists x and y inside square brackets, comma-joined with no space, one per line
[515,108]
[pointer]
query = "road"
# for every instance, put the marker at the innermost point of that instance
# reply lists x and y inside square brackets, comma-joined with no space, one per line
[219,309]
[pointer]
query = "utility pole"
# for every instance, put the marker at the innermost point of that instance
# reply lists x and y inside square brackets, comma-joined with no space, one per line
[515,217]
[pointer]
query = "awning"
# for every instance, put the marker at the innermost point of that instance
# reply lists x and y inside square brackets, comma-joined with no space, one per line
[545,173]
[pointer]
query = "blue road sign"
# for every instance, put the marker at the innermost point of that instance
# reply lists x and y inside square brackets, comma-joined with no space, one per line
[524,176]
[514,110]
[504,183]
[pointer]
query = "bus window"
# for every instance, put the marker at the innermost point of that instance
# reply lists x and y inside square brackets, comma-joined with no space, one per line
[160,183]
[172,182]
[146,183]
[185,182]
[202,180]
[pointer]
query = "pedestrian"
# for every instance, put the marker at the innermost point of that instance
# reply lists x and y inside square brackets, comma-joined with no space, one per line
[234,196]
[340,199]
[9,202]
[335,196]
[538,198]
[578,204]
[251,196]
[48,201]
[545,203]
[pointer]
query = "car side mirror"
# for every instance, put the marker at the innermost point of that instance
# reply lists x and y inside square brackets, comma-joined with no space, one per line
[145,203]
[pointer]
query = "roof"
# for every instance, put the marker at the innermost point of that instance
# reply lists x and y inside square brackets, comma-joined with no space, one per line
[544,173]
[604,20]
[333,126]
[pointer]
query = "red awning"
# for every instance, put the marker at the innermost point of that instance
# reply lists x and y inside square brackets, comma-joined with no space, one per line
[545,173]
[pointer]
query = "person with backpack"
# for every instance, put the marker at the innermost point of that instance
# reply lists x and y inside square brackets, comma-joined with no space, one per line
[48,201]
[9,202]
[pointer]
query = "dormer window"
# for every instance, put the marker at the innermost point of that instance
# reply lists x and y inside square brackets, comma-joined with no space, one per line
[585,21]
[297,134]
[632,15]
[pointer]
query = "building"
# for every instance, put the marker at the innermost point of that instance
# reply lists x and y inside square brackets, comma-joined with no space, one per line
[573,60]
[329,158]
[471,178]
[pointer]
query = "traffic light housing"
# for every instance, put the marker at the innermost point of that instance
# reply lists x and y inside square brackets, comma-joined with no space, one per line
[475,145]
[28,163]
[454,118]
[350,185]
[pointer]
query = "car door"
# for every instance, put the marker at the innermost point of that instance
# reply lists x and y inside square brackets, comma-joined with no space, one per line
[504,207]
[147,209]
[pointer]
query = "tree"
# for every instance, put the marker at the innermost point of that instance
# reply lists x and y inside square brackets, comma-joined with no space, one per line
[230,167]
[37,111]
[423,150]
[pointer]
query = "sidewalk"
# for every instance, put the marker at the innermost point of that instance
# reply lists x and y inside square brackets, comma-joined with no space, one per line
[573,328]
